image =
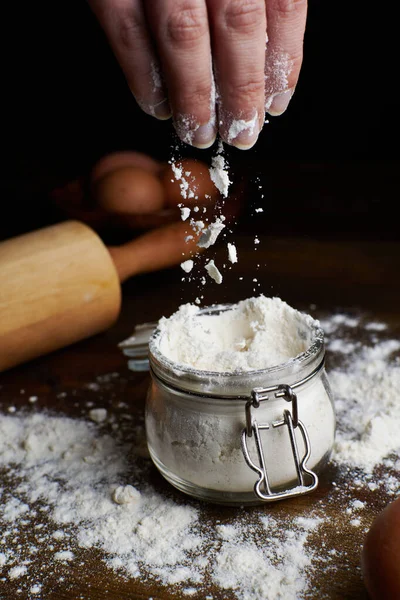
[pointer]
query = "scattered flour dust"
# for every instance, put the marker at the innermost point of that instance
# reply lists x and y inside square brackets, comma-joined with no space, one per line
[71,487]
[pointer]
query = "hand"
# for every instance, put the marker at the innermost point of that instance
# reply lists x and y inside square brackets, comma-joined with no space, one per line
[207,62]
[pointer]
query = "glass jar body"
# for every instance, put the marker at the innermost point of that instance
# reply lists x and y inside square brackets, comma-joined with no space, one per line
[195,436]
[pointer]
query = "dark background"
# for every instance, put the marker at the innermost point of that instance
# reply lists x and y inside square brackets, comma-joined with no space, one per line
[328,166]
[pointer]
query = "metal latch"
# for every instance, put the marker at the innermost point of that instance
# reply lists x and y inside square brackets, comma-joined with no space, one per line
[307,480]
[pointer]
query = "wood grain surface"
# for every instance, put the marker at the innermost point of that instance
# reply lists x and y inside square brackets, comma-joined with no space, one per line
[327,275]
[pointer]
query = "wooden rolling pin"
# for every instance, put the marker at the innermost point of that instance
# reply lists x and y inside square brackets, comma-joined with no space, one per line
[61,284]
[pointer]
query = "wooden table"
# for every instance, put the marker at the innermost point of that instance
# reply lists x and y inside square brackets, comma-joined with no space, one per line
[332,275]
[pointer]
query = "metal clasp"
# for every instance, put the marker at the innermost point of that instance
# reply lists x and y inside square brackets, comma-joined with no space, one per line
[291,421]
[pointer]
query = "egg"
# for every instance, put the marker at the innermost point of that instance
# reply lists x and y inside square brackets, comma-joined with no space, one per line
[200,188]
[381,555]
[129,189]
[118,160]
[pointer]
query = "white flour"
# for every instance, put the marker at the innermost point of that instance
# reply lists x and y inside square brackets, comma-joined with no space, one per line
[208,231]
[239,125]
[70,469]
[232,253]
[278,67]
[156,76]
[256,333]
[209,236]
[219,175]
[213,271]
[200,442]
[185,213]
[187,265]
[59,476]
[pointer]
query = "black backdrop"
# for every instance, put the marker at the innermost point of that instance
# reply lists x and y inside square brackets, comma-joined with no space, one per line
[334,153]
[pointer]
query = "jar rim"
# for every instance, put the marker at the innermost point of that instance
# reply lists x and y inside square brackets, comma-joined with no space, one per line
[173,373]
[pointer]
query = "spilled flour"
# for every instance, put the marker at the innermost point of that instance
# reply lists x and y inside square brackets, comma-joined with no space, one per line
[78,490]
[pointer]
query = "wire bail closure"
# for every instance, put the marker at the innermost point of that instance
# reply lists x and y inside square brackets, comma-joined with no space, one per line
[291,420]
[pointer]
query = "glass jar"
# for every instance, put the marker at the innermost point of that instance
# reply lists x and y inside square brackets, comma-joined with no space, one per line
[241,438]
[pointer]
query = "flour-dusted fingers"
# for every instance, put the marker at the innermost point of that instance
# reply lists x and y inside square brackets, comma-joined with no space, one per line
[181,32]
[238,40]
[284,54]
[124,23]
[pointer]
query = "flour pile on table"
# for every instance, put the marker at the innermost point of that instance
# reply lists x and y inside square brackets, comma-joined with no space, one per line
[74,485]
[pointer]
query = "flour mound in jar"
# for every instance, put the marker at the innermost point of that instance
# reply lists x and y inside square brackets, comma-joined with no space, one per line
[256,333]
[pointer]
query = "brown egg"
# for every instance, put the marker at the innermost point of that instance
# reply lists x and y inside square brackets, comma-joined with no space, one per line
[118,160]
[129,190]
[381,555]
[197,176]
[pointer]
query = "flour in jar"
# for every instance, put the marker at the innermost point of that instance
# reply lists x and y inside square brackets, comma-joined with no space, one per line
[198,439]
[255,333]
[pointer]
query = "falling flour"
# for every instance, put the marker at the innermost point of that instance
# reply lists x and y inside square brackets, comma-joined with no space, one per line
[209,236]
[219,171]
[232,253]
[187,265]
[205,229]
[61,479]
[185,213]
[219,175]
[213,271]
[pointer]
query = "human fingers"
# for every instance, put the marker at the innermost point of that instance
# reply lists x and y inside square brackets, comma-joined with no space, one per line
[286,21]
[181,32]
[124,23]
[238,39]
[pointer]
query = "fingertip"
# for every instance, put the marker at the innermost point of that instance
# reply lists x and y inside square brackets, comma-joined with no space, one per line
[162,110]
[244,146]
[159,110]
[277,103]
[241,133]
[192,133]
